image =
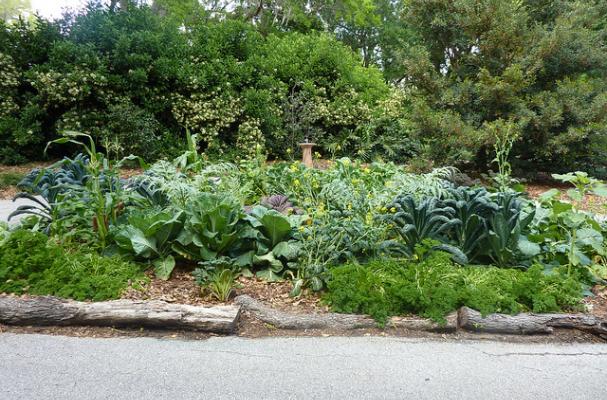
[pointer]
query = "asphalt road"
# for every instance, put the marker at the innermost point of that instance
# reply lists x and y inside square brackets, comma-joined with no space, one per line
[8,206]
[54,367]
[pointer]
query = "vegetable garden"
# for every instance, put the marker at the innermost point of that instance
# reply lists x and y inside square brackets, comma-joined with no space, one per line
[176,128]
[365,238]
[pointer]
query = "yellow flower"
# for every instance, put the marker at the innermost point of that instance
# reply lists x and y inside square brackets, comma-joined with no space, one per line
[384,209]
[301,229]
[369,218]
[366,170]
[296,182]
[289,151]
[349,206]
[393,210]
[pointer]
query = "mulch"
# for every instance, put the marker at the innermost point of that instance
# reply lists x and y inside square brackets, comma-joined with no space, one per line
[183,289]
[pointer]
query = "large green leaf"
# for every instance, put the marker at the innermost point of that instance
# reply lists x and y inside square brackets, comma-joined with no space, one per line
[287,250]
[528,248]
[275,227]
[590,237]
[164,266]
[143,246]
[269,275]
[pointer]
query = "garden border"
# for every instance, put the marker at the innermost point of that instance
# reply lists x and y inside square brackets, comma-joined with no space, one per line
[48,310]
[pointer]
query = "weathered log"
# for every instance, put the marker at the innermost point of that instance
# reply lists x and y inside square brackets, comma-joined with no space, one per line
[285,320]
[528,323]
[47,310]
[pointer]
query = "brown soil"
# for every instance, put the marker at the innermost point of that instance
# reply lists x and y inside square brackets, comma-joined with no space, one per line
[590,202]
[182,288]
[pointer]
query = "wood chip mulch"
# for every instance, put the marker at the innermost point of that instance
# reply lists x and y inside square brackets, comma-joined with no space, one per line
[182,288]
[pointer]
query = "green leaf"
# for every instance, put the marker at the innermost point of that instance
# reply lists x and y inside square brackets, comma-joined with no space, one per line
[268,275]
[527,248]
[549,195]
[297,287]
[164,266]
[575,194]
[287,250]
[142,246]
[590,237]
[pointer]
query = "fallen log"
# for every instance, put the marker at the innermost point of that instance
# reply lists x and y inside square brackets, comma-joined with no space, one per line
[47,310]
[285,320]
[528,323]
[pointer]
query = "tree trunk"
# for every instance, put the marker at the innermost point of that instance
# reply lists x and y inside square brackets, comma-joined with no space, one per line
[526,324]
[47,310]
[285,320]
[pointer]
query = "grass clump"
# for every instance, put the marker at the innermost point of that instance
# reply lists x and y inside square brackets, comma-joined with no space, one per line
[31,263]
[8,179]
[436,286]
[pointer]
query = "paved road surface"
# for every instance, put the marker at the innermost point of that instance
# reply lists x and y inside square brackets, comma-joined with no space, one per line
[8,206]
[47,367]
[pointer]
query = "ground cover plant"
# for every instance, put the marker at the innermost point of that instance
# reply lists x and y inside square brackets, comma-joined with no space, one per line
[436,286]
[31,263]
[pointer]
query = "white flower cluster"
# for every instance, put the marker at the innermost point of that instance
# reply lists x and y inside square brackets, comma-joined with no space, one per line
[250,140]
[67,87]
[9,81]
[207,113]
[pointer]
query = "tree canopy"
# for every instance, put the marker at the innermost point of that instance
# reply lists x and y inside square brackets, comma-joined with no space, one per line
[433,80]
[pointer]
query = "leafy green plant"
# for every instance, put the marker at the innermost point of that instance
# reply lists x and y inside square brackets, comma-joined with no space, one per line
[472,208]
[31,263]
[214,227]
[416,221]
[274,244]
[151,236]
[583,184]
[567,235]
[504,133]
[103,187]
[308,276]
[435,286]
[507,242]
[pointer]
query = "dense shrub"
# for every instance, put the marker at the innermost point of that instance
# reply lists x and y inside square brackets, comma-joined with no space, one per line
[31,263]
[135,81]
[435,286]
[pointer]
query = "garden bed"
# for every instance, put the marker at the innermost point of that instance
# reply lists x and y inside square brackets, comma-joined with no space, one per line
[349,247]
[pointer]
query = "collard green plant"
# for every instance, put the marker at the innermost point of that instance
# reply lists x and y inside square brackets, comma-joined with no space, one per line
[215,228]
[151,236]
[275,247]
